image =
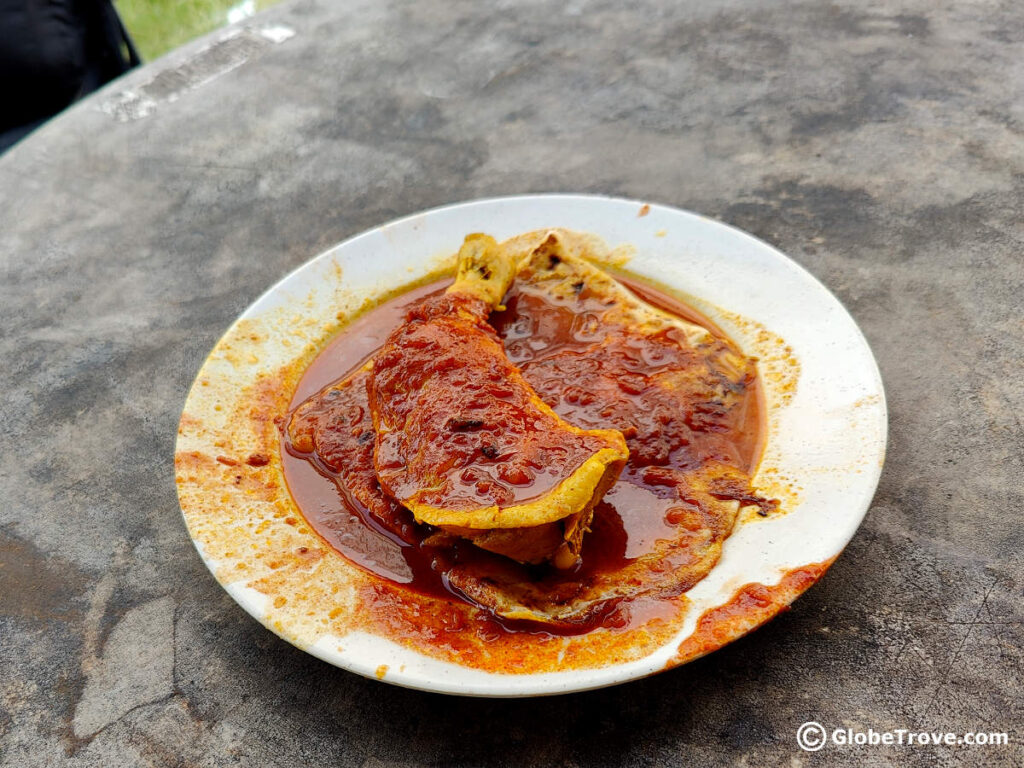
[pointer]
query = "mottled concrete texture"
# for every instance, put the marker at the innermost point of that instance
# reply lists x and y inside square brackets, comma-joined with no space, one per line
[880,144]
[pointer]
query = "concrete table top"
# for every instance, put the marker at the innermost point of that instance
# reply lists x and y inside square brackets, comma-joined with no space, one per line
[879,144]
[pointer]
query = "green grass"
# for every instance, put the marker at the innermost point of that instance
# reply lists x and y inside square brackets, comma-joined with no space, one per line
[157,26]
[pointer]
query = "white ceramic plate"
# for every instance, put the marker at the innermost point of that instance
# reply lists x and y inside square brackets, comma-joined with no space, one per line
[824,452]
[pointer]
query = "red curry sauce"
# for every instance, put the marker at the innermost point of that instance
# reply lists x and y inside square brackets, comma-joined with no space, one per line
[463,430]
[630,518]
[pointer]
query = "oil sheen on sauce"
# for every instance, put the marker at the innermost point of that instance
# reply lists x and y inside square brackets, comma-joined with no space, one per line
[625,524]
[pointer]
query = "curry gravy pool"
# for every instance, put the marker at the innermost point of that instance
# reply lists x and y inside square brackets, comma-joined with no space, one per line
[633,515]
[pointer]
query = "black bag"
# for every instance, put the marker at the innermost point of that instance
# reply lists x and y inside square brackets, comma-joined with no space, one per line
[53,52]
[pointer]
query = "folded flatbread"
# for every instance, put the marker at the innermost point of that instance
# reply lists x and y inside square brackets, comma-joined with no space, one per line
[608,364]
[658,380]
[459,438]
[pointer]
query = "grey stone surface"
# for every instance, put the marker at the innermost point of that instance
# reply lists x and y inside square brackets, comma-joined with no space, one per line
[881,144]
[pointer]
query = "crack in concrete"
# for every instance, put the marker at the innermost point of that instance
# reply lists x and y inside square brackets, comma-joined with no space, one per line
[959,650]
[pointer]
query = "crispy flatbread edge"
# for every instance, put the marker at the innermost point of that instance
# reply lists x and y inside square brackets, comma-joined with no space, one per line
[561,542]
[554,258]
[569,497]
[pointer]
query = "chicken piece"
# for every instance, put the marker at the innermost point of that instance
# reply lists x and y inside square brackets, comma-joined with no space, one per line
[600,356]
[464,442]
